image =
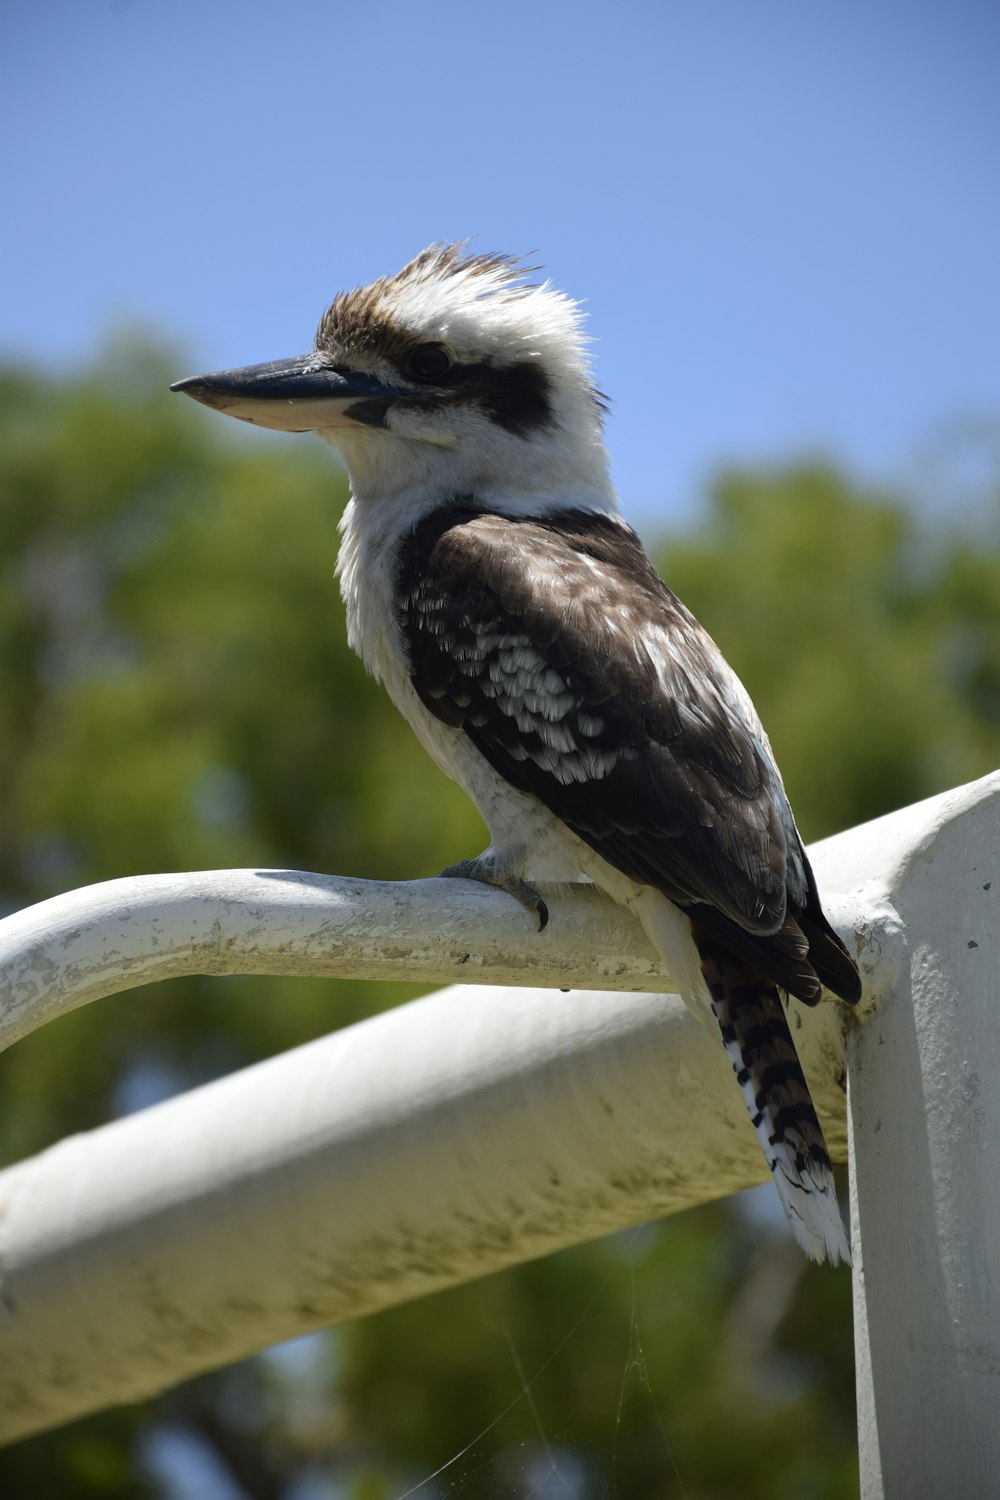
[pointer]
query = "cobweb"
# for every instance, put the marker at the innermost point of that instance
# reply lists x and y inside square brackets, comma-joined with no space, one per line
[537,1464]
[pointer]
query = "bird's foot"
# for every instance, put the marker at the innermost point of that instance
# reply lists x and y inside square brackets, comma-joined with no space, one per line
[487,874]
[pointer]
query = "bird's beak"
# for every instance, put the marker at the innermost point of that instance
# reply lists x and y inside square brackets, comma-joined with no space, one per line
[293,395]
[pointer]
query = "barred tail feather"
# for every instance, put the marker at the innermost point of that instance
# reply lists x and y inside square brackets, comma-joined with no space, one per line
[757,1038]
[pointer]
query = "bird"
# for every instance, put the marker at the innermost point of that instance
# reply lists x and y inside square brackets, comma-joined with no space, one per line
[492,584]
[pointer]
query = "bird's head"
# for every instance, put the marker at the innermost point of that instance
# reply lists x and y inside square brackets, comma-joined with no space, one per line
[455,374]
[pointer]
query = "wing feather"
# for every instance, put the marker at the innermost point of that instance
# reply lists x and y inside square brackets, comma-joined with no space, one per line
[584,681]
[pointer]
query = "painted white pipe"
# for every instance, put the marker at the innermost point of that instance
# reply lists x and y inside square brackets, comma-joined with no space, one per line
[451,1137]
[469,1131]
[75,948]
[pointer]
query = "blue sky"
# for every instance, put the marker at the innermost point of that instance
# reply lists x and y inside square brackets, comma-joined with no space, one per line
[784,218]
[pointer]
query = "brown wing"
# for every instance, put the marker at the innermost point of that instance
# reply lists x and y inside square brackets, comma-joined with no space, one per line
[584,681]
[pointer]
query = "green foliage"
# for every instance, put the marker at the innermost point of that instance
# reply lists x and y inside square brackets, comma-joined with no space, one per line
[868,642]
[177,693]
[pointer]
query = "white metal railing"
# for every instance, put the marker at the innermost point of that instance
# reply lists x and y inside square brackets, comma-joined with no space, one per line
[485,1125]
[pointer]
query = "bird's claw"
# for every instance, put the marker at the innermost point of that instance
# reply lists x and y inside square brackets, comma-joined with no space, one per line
[521,890]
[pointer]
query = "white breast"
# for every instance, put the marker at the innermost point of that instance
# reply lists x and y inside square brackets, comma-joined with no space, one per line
[521,827]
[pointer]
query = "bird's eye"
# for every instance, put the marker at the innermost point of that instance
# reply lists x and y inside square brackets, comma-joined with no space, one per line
[427,362]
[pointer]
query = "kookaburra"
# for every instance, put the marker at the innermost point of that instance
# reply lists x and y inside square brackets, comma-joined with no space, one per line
[515,620]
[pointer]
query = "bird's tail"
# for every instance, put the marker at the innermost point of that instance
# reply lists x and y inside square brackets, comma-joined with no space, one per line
[757,1038]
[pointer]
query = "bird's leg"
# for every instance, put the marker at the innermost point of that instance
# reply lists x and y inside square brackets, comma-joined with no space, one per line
[488,870]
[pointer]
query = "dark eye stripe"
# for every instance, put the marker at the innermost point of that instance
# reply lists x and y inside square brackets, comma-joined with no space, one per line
[516,397]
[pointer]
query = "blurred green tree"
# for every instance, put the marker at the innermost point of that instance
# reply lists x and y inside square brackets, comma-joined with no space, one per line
[177,693]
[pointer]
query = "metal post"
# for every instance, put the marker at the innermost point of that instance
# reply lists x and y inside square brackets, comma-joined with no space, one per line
[924,1115]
